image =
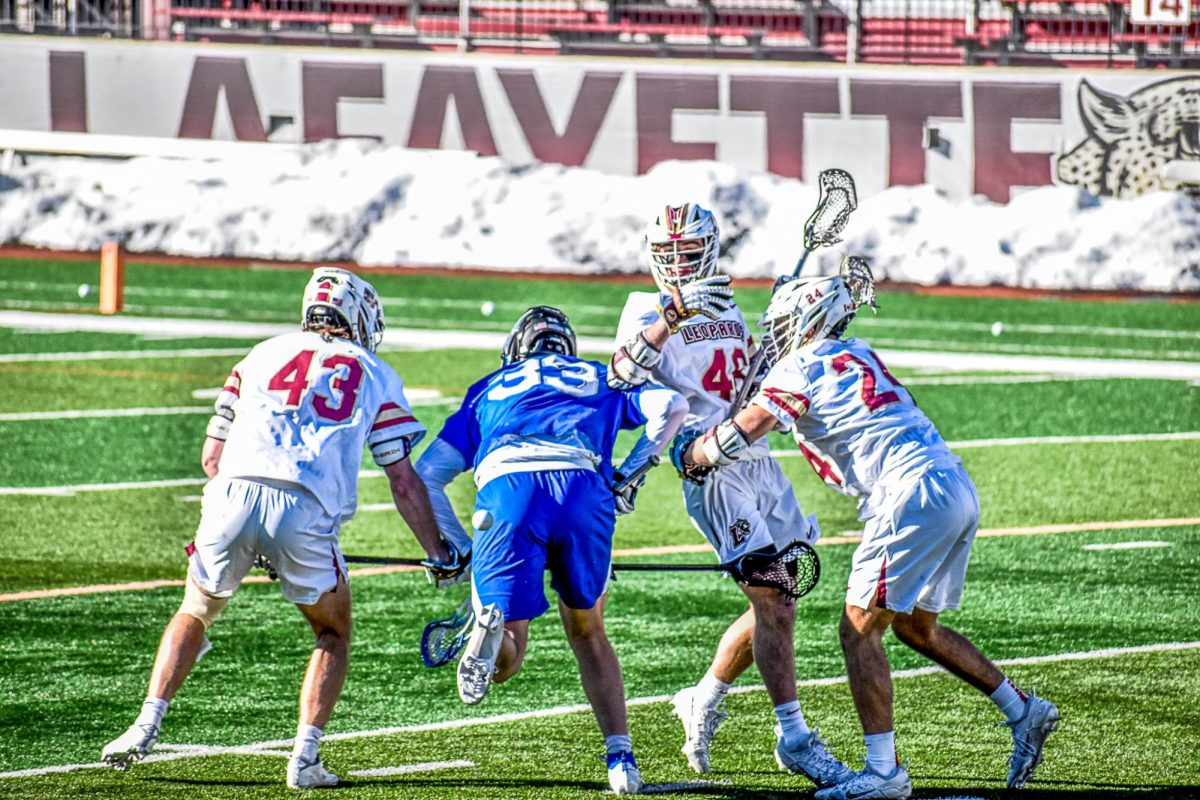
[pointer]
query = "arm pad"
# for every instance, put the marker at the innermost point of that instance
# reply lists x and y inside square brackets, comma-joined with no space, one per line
[633,363]
[218,426]
[724,443]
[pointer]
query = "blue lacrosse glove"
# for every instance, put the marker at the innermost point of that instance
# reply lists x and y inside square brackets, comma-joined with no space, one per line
[687,470]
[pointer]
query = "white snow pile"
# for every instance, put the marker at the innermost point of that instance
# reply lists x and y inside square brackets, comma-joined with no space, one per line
[352,200]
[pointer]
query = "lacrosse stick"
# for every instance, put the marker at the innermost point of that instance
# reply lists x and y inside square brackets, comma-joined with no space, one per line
[442,639]
[836,200]
[794,572]
[632,478]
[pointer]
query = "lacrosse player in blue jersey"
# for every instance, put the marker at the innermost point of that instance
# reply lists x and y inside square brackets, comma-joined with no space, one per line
[539,435]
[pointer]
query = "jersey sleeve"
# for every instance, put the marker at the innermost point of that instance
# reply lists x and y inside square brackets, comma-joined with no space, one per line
[223,407]
[784,394]
[461,430]
[640,312]
[394,431]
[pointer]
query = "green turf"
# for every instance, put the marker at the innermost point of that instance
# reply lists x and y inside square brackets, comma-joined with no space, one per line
[72,669]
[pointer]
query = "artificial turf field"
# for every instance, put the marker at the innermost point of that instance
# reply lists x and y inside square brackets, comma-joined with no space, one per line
[1064,464]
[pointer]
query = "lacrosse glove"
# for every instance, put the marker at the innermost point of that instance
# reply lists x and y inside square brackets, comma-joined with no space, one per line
[624,496]
[443,574]
[710,296]
[262,562]
[687,469]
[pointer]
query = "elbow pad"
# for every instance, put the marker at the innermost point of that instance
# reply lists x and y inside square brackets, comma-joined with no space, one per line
[218,426]
[633,364]
[724,443]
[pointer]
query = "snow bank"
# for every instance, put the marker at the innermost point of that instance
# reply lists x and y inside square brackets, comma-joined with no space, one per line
[361,201]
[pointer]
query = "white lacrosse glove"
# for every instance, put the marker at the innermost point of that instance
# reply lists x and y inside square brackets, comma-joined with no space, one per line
[624,496]
[711,296]
[452,572]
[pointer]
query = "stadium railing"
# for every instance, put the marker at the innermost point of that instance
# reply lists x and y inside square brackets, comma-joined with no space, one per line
[952,32]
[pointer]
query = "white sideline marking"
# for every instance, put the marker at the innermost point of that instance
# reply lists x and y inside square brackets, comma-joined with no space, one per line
[432,339]
[27,416]
[965,444]
[676,549]
[558,711]
[407,769]
[1128,545]
[103,355]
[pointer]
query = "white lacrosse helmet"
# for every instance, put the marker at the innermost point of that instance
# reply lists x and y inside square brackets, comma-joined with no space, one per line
[811,309]
[338,298]
[682,244]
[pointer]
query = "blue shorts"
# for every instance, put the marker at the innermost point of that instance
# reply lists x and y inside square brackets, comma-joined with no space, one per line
[561,520]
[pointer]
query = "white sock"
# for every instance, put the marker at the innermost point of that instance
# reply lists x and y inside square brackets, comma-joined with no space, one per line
[1009,699]
[618,743]
[308,740]
[711,690]
[791,720]
[152,712]
[881,752]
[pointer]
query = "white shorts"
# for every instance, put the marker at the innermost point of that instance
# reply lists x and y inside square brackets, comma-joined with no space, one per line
[914,551]
[748,506]
[240,518]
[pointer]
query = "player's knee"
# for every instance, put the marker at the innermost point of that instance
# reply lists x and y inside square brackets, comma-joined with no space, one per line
[916,633]
[200,604]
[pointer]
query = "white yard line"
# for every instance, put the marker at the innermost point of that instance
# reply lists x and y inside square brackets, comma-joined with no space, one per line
[408,769]
[850,537]
[108,355]
[1128,545]
[29,416]
[417,339]
[199,751]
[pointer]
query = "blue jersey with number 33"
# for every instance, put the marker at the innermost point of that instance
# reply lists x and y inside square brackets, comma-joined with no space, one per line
[551,397]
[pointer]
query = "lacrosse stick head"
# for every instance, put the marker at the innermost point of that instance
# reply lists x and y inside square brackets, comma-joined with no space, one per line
[541,329]
[682,245]
[860,281]
[443,639]
[794,572]
[837,199]
[338,300]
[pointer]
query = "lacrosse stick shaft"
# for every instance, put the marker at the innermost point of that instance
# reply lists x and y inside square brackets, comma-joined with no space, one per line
[383,560]
[633,477]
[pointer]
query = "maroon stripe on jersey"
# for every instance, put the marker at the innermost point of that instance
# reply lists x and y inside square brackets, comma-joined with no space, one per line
[781,399]
[233,390]
[388,406]
[190,549]
[378,426]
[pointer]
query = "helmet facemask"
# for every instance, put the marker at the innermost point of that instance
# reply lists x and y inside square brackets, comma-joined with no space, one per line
[541,329]
[809,310]
[682,245]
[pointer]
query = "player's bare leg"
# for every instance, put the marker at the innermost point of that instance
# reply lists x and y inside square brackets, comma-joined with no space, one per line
[861,633]
[735,651]
[600,674]
[512,649]
[183,643]
[1031,718]
[323,681]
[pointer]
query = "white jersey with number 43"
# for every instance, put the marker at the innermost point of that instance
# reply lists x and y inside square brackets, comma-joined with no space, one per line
[304,408]
[856,425]
[706,361]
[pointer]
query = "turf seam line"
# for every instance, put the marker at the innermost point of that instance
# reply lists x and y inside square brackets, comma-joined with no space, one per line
[198,751]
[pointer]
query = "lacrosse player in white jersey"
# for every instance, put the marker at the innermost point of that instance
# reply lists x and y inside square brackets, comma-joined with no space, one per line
[690,336]
[862,433]
[283,453]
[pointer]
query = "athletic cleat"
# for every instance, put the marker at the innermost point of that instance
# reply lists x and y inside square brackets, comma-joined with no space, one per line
[812,760]
[1029,735]
[700,725]
[870,785]
[478,663]
[307,772]
[131,746]
[623,774]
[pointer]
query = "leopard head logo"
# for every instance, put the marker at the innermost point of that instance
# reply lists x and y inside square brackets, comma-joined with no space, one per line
[739,531]
[1131,138]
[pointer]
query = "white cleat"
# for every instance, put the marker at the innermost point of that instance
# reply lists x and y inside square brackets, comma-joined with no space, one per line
[131,746]
[870,785]
[1029,736]
[623,774]
[811,759]
[478,663]
[700,725]
[307,772]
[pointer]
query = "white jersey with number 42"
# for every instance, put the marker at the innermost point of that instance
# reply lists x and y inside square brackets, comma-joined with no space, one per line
[706,361]
[856,425]
[304,408]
